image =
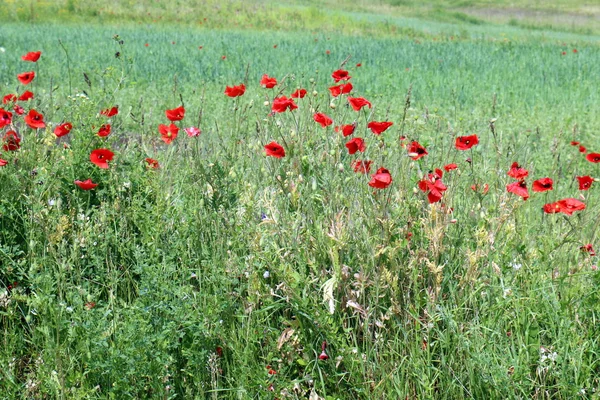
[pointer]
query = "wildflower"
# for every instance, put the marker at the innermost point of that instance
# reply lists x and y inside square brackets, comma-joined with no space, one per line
[323,356]
[381,179]
[192,131]
[593,157]
[340,75]
[26,77]
[416,151]
[519,188]
[175,114]
[433,186]
[235,91]
[35,120]
[5,118]
[299,94]
[280,104]
[11,141]
[322,119]
[346,130]
[585,182]
[362,166]
[274,149]
[378,127]
[152,163]
[168,133]
[3,162]
[9,98]
[356,144]
[104,130]
[358,103]
[542,185]
[268,82]
[101,157]
[26,96]
[63,129]
[344,88]
[582,149]
[110,112]
[86,185]
[589,249]
[32,56]
[450,167]
[517,172]
[466,142]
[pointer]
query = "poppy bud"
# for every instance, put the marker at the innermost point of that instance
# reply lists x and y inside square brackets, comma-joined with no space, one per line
[315,93]
[323,356]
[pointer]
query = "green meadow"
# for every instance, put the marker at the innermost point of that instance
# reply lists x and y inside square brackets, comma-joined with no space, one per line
[229,273]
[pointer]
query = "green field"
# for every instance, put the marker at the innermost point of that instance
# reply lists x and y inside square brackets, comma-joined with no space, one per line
[222,273]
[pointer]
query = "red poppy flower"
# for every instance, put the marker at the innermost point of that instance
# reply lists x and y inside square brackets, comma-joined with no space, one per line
[589,249]
[280,104]
[551,208]
[192,131]
[517,172]
[569,206]
[35,120]
[582,149]
[299,94]
[593,157]
[574,143]
[322,119]
[168,133]
[86,185]
[3,162]
[356,144]
[175,114]
[362,166]
[344,88]
[26,96]
[152,163]
[378,127]
[235,91]
[32,56]
[5,117]
[466,142]
[110,112]
[450,167]
[542,185]
[381,179]
[416,151]
[346,130]
[358,65]
[8,98]
[18,109]
[267,82]
[519,188]
[26,77]
[63,129]
[358,103]
[11,141]
[340,75]
[585,182]
[104,130]
[101,157]
[274,149]
[433,186]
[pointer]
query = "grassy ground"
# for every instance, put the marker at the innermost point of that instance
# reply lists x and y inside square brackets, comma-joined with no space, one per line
[221,274]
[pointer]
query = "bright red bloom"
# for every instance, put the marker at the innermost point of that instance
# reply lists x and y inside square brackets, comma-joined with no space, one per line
[27,95]
[11,141]
[63,129]
[585,182]
[322,119]
[466,142]
[168,133]
[517,172]
[32,56]
[358,65]
[346,130]
[192,131]
[551,208]
[381,179]
[362,166]
[35,120]
[3,162]
[104,130]
[582,149]
[8,98]
[280,104]
[433,186]
[344,88]
[86,185]
[378,127]
[542,185]
[274,149]
[5,117]
[299,94]
[358,103]
[593,157]
[340,75]
[110,112]
[569,206]
[152,163]
[267,82]
[519,188]
[416,151]
[175,114]
[323,355]
[356,144]
[235,91]
[101,157]
[450,167]
[18,109]
[589,249]
[574,143]
[26,77]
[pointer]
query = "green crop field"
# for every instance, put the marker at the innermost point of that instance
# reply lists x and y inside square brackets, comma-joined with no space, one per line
[240,246]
